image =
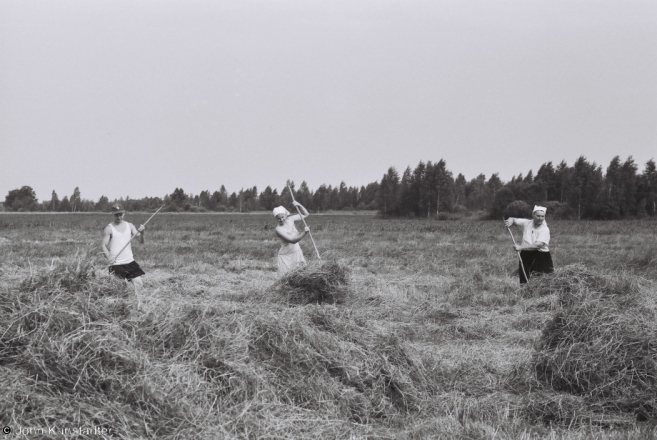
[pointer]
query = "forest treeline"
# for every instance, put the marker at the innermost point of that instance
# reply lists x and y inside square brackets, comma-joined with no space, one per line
[580,191]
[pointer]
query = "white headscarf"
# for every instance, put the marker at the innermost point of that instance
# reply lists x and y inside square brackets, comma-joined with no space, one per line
[539,208]
[281,210]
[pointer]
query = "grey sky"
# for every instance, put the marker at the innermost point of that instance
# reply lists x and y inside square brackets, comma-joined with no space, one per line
[135,98]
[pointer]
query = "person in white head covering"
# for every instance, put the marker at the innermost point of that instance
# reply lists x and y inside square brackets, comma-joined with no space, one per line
[534,250]
[290,253]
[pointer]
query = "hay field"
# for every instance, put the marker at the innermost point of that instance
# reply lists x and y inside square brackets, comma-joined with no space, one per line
[432,336]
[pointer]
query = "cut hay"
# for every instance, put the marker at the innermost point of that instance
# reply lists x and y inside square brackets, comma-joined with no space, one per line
[321,359]
[318,282]
[573,281]
[76,351]
[74,354]
[602,345]
[72,277]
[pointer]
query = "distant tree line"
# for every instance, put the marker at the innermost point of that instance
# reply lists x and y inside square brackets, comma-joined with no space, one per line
[581,191]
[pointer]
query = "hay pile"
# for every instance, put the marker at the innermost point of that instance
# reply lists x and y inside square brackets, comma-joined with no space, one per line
[600,348]
[67,357]
[64,276]
[322,359]
[318,282]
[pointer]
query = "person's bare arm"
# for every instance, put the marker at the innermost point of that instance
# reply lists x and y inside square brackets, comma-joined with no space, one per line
[140,232]
[107,235]
[304,212]
[289,238]
[529,247]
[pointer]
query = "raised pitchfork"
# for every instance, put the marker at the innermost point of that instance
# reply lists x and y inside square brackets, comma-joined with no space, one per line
[133,237]
[304,223]
[519,257]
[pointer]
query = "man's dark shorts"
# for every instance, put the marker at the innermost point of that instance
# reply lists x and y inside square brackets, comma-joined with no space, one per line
[127,271]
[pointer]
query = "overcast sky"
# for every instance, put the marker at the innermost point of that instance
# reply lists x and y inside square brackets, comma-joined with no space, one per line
[135,98]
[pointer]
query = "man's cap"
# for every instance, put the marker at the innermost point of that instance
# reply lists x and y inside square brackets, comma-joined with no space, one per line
[116,209]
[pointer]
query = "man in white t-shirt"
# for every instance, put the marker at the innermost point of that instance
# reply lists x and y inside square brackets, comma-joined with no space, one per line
[534,250]
[117,247]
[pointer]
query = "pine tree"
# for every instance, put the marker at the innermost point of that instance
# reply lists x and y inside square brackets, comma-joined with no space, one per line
[204,200]
[545,182]
[419,197]
[611,193]
[103,204]
[444,184]
[54,202]
[561,177]
[224,195]
[178,197]
[320,198]
[475,193]
[64,205]
[629,179]
[75,200]
[303,196]
[388,195]
[584,189]
[459,190]
[405,194]
[343,200]
[650,181]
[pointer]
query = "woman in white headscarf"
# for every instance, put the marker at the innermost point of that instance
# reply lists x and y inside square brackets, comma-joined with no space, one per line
[534,250]
[290,254]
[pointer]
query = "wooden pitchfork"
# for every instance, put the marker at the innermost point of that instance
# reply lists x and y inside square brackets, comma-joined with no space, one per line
[304,223]
[519,258]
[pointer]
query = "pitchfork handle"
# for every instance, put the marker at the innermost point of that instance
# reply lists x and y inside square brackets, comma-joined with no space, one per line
[304,223]
[518,252]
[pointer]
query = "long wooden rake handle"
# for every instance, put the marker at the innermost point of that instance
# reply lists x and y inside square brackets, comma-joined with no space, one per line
[518,252]
[136,235]
[304,222]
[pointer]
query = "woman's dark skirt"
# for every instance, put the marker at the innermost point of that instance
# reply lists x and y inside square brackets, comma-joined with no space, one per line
[536,263]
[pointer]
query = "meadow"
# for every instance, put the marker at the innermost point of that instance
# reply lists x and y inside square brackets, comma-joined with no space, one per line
[430,337]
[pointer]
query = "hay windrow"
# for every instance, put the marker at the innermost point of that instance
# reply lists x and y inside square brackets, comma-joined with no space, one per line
[78,276]
[602,345]
[62,336]
[323,357]
[319,282]
[573,281]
